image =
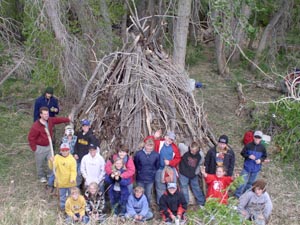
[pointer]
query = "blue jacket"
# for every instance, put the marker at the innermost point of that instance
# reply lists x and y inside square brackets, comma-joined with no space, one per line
[114,196]
[43,101]
[136,206]
[252,149]
[146,166]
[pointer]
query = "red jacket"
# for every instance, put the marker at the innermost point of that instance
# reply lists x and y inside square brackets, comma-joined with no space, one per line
[217,187]
[37,134]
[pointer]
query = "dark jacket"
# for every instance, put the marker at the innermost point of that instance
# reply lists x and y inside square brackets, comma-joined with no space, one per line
[211,162]
[115,196]
[146,166]
[175,204]
[82,145]
[252,149]
[37,134]
[43,101]
[189,164]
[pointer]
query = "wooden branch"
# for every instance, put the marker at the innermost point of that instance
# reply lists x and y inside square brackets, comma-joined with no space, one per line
[241,98]
[12,71]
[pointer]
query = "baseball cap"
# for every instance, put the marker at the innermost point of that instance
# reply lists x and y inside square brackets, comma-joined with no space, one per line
[223,139]
[171,185]
[85,122]
[92,146]
[64,147]
[258,133]
[171,135]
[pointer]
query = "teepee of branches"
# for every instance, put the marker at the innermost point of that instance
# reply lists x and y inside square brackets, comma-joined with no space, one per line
[137,87]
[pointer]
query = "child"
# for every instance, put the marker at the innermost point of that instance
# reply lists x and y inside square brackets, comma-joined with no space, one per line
[137,206]
[64,167]
[254,154]
[146,163]
[92,167]
[256,204]
[95,203]
[187,173]
[217,184]
[69,138]
[128,163]
[172,204]
[75,207]
[118,191]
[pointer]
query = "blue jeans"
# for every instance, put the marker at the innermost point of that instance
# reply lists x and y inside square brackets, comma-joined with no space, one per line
[85,219]
[79,177]
[194,182]
[249,179]
[51,180]
[159,186]
[63,194]
[148,190]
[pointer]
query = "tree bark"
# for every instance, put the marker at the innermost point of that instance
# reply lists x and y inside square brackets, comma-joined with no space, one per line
[263,43]
[181,32]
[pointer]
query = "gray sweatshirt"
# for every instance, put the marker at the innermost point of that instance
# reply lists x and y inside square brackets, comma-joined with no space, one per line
[255,205]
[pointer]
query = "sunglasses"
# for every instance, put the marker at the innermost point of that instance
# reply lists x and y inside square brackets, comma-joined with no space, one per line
[258,137]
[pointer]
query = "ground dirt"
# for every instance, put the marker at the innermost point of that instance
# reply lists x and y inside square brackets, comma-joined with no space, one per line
[25,201]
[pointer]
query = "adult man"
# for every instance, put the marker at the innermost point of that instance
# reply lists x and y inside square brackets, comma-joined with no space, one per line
[39,141]
[169,155]
[254,154]
[47,100]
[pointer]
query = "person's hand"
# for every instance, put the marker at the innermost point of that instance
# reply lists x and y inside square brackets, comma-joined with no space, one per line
[75,218]
[80,218]
[252,157]
[173,217]
[157,134]
[136,217]
[167,162]
[70,116]
[76,156]
[258,161]
[51,158]
[244,213]
[53,109]
[72,181]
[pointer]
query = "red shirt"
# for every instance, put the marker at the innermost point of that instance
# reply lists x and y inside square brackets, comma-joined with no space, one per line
[217,187]
[37,134]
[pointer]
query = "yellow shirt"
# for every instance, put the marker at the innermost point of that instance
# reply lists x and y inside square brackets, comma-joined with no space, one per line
[75,206]
[65,171]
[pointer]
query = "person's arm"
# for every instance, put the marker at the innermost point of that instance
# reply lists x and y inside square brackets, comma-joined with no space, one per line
[83,204]
[176,159]
[130,169]
[129,207]
[264,154]
[231,162]
[145,206]
[268,206]
[244,152]
[73,170]
[68,208]
[207,160]
[32,136]
[55,105]
[36,110]
[243,204]
[108,167]
[83,168]
[163,208]
[102,170]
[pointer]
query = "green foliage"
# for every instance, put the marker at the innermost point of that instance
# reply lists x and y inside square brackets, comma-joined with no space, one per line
[216,213]
[194,54]
[282,122]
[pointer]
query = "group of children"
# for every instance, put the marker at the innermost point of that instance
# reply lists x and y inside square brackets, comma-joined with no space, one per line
[159,163]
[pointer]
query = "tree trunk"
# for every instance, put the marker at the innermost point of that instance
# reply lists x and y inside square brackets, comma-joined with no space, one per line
[239,35]
[264,41]
[181,32]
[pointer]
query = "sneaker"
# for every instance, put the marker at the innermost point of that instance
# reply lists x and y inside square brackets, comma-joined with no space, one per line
[43,180]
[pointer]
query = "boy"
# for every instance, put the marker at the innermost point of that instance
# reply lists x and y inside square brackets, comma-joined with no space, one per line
[254,154]
[75,207]
[95,203]
[188,165]
[64,168]
[256,205]
[137,206]
[217,184]
[172,204]
[146,162]
[92,167]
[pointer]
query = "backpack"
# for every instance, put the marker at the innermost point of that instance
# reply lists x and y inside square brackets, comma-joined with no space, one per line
[248,137]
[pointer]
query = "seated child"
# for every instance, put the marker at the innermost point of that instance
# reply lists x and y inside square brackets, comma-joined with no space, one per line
[256,204]
[137,206]
[64,166]
[217,184]
[172,204]
[118,191]
[75,207]
[95,203]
